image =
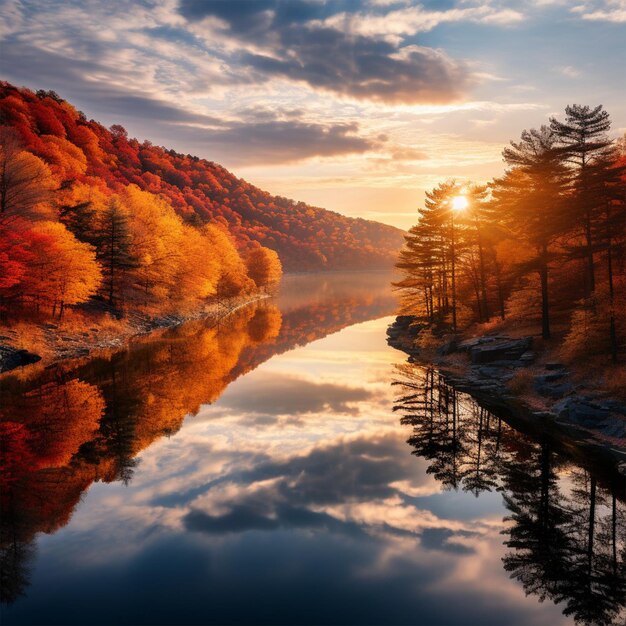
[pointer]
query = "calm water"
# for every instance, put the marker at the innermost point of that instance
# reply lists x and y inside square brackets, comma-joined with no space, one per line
[287,466]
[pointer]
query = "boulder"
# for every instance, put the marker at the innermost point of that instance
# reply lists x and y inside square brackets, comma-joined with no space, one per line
[10,358]
[555,366]
[585,412]
[527,357]
[473,342]
[500,350]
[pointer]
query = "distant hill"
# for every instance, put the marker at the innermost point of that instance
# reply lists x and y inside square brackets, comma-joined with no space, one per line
[305,237]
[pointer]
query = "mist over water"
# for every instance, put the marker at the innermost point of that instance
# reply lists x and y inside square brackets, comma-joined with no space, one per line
[287,466]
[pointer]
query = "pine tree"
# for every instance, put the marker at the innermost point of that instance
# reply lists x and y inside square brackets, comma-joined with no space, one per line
[115,250]
[79,219]
[531,196]
[583,141]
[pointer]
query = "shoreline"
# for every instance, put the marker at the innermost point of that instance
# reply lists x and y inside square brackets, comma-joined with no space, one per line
[66,345]
[487,367]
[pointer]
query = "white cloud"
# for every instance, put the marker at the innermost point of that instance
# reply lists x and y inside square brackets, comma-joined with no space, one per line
[398,23]
[606,11]
[569,71]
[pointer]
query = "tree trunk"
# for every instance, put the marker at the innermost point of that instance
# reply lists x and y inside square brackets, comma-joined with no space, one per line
[545,306]
[590,268]
[609,260]
[500,290]
[592,520]
[483,277]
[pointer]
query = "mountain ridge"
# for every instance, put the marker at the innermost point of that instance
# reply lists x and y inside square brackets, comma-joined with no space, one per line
[307,238]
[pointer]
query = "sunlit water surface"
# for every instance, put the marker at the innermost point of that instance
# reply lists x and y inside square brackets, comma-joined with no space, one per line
[292,494]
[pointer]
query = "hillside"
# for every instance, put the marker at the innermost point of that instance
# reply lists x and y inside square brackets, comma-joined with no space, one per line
[305,237]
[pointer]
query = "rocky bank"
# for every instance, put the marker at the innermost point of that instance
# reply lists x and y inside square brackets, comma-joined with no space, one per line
[486,366]
[61,344]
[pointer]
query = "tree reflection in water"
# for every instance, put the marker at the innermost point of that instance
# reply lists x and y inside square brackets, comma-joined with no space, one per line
[75,424]
[566,527]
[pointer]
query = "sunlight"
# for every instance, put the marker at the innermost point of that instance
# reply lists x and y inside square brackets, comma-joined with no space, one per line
[459,203]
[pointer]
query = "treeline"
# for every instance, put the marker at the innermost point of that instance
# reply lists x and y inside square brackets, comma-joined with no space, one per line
[545,242]
[66,238]
[199,191]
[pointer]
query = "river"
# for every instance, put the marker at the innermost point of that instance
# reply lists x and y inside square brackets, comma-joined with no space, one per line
[287,466]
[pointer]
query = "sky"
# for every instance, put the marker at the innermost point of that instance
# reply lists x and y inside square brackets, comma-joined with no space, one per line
[358,106]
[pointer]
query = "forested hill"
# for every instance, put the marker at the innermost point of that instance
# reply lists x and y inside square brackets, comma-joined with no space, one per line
[305,237]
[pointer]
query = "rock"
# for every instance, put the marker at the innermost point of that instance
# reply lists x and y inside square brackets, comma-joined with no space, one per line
[546,379]
[554,376]
[552,386]
[543,414]
[497,373]
[499,350]
[615,428]
[10,358]
[561,408]
[527,357]
[614,406]
[448,348]
[586,413]
[558,391]
[555,366]
[468,344]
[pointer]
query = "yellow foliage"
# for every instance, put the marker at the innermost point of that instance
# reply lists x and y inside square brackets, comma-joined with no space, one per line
[65,270]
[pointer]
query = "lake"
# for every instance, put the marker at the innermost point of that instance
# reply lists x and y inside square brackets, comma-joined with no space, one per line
[286,466]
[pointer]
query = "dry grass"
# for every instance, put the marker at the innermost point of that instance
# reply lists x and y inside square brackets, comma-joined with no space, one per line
[522,382]
[607,378]
[29,336]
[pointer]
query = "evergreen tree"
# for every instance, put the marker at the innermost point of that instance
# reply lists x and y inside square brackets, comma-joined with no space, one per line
[583,141]
[115,250]
[530,196]
[79,219]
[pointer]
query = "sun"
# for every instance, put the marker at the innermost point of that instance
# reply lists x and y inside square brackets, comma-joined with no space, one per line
[459,203]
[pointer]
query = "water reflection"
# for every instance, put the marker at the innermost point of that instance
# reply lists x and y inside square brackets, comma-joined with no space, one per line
[76,424]
[565,528]
[289,494]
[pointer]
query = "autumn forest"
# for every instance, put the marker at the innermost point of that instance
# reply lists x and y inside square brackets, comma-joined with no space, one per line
[540,249]
[88,213]
[312,312]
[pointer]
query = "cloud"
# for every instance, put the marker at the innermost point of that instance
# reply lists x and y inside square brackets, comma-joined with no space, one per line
[439,539]
[569,71]
[603,11]
[296,41]
[285,394]
[243,518]
[268,136]
[399,22]
[245,142]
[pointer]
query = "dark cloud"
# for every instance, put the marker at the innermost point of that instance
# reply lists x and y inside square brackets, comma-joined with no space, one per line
[349,471]
[278,141]
[438,539]
[256,16]
[304,50]
[363,68]
[282,394]
[256,137]
[360,470]
[244,518]
[46,70]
